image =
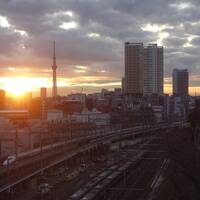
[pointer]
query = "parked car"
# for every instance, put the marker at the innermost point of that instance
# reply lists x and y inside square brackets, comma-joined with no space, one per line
[44,188]
[84,165]
[10,160]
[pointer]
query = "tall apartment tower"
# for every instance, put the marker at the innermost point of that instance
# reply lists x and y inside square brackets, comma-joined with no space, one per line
[134,64]
[180,82]
[123,86]
[153,70]
[143,69]
[2,99]
[54,67]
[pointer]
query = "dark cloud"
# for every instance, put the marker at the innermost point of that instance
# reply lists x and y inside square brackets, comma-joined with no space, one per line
[8,41]
[101,28]
[175,42]
[196,41]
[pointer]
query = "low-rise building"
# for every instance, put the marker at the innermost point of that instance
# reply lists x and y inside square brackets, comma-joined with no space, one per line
[54,114]
[91,116]
[77,97]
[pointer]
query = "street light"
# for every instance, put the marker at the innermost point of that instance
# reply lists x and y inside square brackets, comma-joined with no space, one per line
[16,142]
[41,153]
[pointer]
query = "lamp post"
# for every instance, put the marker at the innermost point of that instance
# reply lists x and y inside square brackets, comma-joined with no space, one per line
[41,153]
[29,136]
[70,126]
[16,142]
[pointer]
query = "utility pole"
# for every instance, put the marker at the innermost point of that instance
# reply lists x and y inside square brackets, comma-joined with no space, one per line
[41,153]
[16,142]
[29,138]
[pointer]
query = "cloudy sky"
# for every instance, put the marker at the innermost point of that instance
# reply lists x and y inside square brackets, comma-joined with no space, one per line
[90,36]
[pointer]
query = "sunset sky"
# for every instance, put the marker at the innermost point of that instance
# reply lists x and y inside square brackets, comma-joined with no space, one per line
[90,36]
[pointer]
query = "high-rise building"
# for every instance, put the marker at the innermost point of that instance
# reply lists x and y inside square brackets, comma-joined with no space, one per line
[35,109]
[43,93]
[180,82]
[2,99]
[134,64]
[54,67]
[27,99]
[143,69]
[153,70]
[123,85]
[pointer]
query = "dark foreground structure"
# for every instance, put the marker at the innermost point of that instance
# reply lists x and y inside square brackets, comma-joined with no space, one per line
[153,163]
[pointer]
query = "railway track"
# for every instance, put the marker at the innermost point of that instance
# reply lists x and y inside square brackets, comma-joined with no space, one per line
[114,135]
[142,177]
[109,176]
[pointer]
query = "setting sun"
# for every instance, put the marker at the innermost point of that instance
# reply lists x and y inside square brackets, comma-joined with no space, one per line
[18,86]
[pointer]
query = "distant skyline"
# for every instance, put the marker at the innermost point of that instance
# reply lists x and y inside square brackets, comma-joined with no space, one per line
[90,38]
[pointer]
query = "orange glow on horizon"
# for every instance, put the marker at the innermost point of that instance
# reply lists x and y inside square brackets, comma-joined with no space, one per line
[17,86]
[192,90]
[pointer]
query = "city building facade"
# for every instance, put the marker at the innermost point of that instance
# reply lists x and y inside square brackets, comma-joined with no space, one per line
[143,69]
[43,94]
[134,65]
[180,82]
[153,70]
[2,99]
